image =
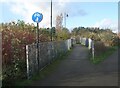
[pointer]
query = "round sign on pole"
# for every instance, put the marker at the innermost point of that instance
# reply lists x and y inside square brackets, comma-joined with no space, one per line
[37,17]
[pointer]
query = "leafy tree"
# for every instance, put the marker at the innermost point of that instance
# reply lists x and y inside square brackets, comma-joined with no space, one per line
[61,33]
[59,21]
[105,35]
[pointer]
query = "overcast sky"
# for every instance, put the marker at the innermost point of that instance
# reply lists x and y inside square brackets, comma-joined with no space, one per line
[95,13]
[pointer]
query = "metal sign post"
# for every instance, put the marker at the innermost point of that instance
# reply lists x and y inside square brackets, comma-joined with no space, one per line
[37,17]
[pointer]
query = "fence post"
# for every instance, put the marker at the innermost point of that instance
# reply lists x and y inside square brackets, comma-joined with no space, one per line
[27,61]
[89,45]
[93,49]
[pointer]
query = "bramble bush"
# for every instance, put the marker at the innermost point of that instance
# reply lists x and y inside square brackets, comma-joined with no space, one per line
[13,52]
[15,37]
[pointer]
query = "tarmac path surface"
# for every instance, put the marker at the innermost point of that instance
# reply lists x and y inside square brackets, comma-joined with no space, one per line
[77,70]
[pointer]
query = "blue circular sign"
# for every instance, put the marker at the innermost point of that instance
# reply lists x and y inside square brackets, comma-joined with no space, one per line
[37,17]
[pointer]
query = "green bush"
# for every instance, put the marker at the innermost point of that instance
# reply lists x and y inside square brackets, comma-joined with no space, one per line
[15,71]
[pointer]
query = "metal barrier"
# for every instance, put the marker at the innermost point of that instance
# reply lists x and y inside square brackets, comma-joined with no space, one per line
[48,51]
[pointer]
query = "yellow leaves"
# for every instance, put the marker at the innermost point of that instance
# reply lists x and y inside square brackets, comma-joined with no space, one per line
[1,29]
[5,54]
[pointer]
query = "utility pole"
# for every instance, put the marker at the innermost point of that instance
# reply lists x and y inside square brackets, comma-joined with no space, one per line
[65,19]
[51,20]
[65,15]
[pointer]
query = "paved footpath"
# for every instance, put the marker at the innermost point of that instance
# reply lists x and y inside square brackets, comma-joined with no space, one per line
[76,70]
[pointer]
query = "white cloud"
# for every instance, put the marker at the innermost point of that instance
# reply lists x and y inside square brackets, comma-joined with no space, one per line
[26,8]
[107,23]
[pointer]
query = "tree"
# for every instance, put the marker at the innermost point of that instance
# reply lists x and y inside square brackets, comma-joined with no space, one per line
[60,32]
[59,21]
[21,24]
[53,31]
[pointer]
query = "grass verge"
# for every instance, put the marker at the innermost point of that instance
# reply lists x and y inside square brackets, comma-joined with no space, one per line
[103,55]
[44,72]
